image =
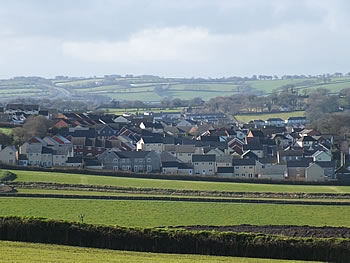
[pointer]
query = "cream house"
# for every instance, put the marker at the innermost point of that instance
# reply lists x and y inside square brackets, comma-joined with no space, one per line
[8,155]
[204,164]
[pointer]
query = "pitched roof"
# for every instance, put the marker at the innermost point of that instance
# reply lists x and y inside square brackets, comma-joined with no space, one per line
[203,158]
[305,162]
[240,162]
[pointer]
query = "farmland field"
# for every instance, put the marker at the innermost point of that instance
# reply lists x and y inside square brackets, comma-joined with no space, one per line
[34,252]
[155,89]
[30,176]
[284,115]
[163,213]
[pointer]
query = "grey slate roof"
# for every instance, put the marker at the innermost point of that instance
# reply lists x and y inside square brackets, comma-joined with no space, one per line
[203,158]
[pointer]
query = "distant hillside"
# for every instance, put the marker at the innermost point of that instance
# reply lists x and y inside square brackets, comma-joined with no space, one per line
[155,89]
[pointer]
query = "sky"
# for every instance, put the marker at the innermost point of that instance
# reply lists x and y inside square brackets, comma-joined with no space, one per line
[181,38]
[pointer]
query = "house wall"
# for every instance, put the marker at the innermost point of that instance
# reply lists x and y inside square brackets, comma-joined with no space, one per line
[204,168]
[184,157]
[296,173]
[273,172]
[59,160]
[185,171]
[8,156]
[314,173]
[244,172]
[169,170]
[34,158]
[322,157]
[46,160]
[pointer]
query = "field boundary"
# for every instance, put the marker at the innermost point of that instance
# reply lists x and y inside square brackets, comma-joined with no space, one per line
[176,199]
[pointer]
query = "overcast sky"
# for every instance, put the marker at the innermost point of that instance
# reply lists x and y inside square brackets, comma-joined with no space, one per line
[173,38]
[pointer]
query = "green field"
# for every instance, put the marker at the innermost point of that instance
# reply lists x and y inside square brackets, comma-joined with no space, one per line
[6,130]
[29,176]
[245,118]
[163,213]
[34,252]
[147,89]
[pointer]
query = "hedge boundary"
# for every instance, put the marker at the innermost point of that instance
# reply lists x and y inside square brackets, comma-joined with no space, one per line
[164,240]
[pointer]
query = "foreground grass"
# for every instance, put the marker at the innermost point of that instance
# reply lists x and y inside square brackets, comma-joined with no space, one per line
[52,177]
[162,213]
[32,252]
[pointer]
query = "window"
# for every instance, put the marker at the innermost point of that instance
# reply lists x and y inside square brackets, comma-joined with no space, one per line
[89,148]
[237,167]
[210,163]
[243,175]
[195,163]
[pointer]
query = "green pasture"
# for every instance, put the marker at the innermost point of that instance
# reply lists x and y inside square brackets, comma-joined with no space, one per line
[166,213]
[140,194]
[35,252]
[131,96]
[53,177]
[269,86]
[6,130]
[283,115]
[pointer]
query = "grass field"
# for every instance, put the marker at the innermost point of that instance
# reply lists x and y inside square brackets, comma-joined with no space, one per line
[283,115]
[162,213]
[29,176]
[33,252]
[6,130]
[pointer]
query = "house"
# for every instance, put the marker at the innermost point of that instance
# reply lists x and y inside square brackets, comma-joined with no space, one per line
[296,121]
[185,152]
[314,173]
[136,161]
[289,155]
[33,150]
[155,127]
[150,143]
[75,162]
[105,131]
[204,164]
[281,141]
[22,160]
[328,169]
[343,174]
[8,155]
[170,167]
[246,168]
[223,161]
[46,156]
[93,164]
[255,147]
[306,141]
[274,122]
[226,171]
[235,146]
[305,170]
[185,169]
[273,172]
[296,169]
[322,156]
